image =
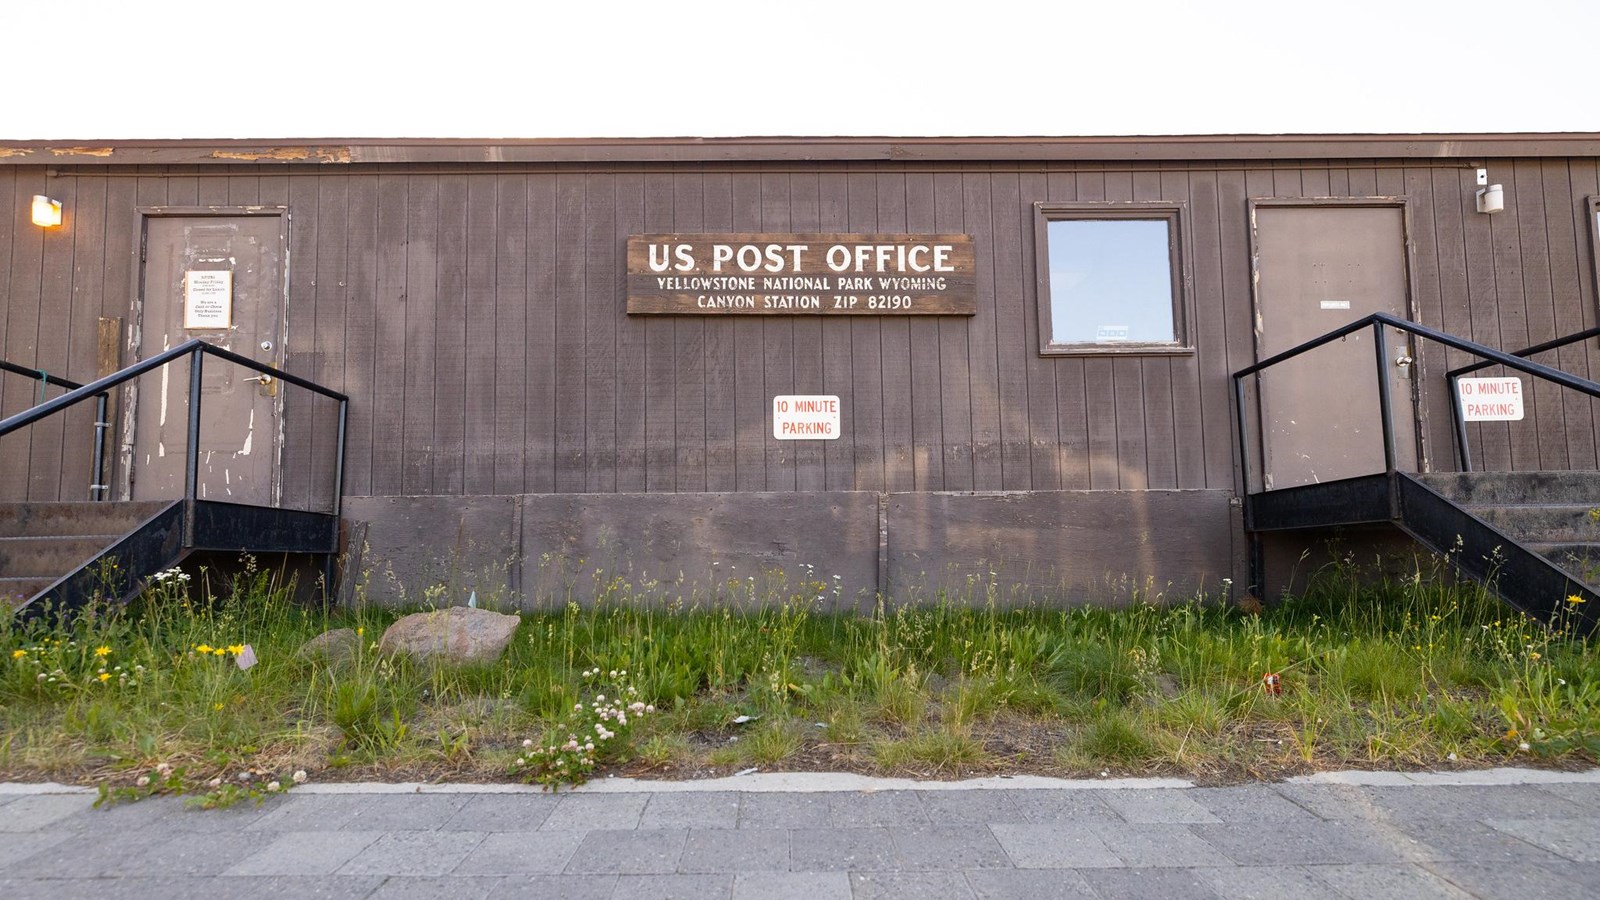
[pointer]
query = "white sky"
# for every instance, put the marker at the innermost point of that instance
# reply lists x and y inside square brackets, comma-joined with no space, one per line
[126,69]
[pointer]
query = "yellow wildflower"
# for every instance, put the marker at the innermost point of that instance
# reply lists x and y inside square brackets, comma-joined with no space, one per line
[220,651]
[18,654]
[1533,656]
[102,650]
[104,677]
[202,649]
[236,649]
[216,706]
[1575,599]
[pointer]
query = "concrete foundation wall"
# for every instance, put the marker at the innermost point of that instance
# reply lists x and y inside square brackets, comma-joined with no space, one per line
[537,550]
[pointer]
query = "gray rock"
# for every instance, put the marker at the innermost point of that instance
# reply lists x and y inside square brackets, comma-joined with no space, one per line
[335,647]
[455,635]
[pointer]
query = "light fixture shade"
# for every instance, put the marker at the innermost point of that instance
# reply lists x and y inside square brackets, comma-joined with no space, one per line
[1491,199]
[46,212]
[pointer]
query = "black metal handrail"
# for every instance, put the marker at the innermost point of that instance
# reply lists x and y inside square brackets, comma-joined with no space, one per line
[1535,350]
[196,350]
[1454,377]
[98,489]
[1376,322]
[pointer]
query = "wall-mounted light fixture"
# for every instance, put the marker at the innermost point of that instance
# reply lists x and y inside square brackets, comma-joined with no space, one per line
[46,212]
[1491,197]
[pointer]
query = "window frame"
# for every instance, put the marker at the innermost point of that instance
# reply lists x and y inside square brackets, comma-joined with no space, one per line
[1175,214]
[1592,204]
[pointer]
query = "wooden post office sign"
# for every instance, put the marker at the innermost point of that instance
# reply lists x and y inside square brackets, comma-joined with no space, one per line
[802,274]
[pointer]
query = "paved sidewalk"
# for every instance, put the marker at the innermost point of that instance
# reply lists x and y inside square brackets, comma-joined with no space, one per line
[1508,833]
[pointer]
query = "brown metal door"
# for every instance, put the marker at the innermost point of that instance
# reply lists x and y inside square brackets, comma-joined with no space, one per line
[218,278]
[1317,268]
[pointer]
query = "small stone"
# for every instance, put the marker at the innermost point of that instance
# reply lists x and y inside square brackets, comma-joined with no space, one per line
[456,635]
[335,647]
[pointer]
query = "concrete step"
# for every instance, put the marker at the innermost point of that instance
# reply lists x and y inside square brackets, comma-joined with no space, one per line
[49,557]
[1517,488]
[74,518]
[14,590]
[1579,560]
[1550,523]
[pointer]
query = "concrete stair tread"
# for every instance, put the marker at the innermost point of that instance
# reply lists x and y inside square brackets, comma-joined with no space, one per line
[104,538]
[53,555]
[75,517]
[1534,504]
[16,588]
[1569,487]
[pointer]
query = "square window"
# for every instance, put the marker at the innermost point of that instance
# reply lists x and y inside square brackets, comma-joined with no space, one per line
[1110,278]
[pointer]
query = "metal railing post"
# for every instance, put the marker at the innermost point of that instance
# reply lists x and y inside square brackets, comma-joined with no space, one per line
[192,477]
[1244,434]
[338,465]
[1460,422]
[97,482]
[1381,346]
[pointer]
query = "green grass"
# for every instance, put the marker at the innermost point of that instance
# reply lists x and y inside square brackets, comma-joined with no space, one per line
[1402,673]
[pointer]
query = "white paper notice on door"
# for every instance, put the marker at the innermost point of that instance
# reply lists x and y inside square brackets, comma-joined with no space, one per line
[207,299]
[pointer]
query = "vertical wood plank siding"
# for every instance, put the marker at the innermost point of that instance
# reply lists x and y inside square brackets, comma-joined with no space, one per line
[477,322]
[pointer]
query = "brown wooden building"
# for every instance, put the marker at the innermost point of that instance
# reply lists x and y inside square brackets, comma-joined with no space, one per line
[512,426]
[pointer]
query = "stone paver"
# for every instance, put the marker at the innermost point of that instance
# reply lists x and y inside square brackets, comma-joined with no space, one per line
[521,853]
[1152,807]
[719,850]
[32,813]
[1300,843]
[862,809]
[926,848]
[910,886]
[555,887]
[1054,846]
[501,812]
[1250,803]
[1575,839]
[791,886]
[1029,884]
[589,811]
[1356,836]
[1150,884]
[413,853]
[1077,807]
[1163,846]
[841,850]
[672,887]
[304,853]
[1268,883]
[650,851]
[691,810]
[1402,882]
[784,811]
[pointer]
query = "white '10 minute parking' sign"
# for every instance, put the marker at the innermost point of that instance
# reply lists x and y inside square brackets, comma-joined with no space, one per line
[805,417]
[1490,399]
